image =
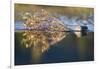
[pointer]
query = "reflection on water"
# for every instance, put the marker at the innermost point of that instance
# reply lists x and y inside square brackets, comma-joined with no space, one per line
[70,49]
[42,40]
[86,47]
[42,30]
[36,54]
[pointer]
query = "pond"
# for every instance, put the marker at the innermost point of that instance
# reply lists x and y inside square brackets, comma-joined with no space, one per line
[69,49]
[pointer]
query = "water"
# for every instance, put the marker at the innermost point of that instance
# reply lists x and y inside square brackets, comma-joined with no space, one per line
[70,49]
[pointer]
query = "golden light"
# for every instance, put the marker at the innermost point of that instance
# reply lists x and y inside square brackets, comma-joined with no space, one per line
[42,30]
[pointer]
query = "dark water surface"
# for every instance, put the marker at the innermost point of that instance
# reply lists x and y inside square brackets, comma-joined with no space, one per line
[70,49]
